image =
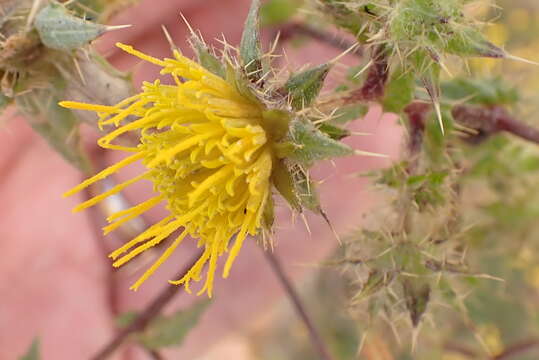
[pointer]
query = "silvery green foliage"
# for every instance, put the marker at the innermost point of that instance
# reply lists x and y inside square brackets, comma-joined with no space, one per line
[60,30]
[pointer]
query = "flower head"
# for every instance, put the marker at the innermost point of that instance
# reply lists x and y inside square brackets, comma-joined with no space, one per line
[208,155]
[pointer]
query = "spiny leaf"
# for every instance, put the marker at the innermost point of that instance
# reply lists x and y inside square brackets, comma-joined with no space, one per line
[60,30]
[33,352]
[241,82]
[349,113]
[471,42]
[268,216]
[334,132]
[283,180]
[206,58]
[276,123]
[171,330]
[484,91]
[376,281]
[305,190]
[417,296]
[304,87]
[314,145]
[250,48]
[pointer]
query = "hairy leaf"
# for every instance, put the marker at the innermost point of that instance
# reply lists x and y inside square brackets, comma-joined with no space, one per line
[304,87]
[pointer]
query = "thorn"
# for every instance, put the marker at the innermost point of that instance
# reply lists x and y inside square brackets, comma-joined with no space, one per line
[359,133]
[517,58]
[33,12]
[362,342]
[117,27]
[275,43]
[169,38]
[79,70]
[439,115]
[415,336]
[344,53]
[364,68]
[442,65]
[368,153]
[306,224]
[326,218]
[193,33]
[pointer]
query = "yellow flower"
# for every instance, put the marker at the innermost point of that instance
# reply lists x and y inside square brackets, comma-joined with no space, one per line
[209,159]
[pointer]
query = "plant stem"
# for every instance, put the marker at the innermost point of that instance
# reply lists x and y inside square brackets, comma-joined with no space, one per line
[488,120]
[299,307]
[149,313]
[374,85]
[516,349]
[155,355]
[519,128]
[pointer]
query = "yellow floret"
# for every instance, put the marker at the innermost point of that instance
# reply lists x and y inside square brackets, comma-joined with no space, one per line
[207,156]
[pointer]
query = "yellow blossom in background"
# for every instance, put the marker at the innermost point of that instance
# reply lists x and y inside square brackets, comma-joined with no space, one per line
[208,156]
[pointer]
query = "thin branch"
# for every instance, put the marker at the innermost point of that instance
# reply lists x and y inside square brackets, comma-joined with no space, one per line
[519,128]
[417,113]
[488,120]
[315,337]
[293,29]
[155,355]
[461,349]
[517,349]
[151,311]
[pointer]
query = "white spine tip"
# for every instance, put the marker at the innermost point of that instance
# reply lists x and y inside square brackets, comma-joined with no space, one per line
[371,154]
[517,58]
[117,27]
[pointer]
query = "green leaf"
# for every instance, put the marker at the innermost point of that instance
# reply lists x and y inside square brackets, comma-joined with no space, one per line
[171,330]
[283,180]
[435,142]
[376,281]
[417,296]
[305,190]
[276,123]
[250,48]
[60,30]
[314,145]
[206,58]
[276,12]
[33,352]
[484,91]
[334,132]
[349,113]
[241,83]
[471,42]
[304,87]
[268,216]
[399,91]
